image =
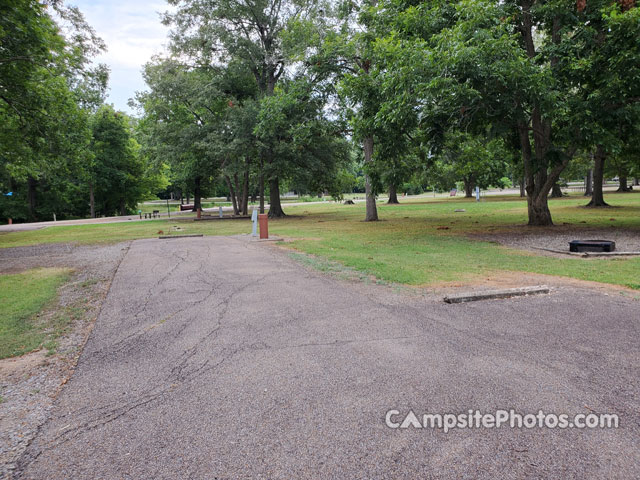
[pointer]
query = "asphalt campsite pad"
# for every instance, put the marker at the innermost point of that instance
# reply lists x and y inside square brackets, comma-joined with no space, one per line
[215,357]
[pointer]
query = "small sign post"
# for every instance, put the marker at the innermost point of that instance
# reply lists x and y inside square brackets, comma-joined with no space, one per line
[254,220]
[477,194]
[220,211]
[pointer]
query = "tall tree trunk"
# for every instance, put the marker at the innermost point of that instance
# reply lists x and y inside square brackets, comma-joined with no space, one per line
[371,214]
[31,197]
[92,201]
[245,190]
[232,195]
[539,180]
[197,196]
[261,186]
[537,201]
[588,183]
[123,207]
[624,187]
[556,191]
[275,207]
[468,187]
[597,198]
[393,194]
[238,189]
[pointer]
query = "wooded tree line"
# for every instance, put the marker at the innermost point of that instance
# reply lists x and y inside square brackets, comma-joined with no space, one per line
[257,96]
[63,152]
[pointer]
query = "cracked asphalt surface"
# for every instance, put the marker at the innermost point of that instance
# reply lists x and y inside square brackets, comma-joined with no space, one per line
[218,358]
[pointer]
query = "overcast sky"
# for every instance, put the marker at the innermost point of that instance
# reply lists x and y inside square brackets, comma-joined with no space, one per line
[133,33]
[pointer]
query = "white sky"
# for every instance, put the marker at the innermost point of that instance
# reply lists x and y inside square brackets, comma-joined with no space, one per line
[133,33]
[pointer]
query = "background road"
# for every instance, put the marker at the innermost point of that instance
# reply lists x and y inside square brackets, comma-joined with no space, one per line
[220,358]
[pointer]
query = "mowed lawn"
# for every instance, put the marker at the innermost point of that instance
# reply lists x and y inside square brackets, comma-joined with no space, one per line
[420,242]
[22,297]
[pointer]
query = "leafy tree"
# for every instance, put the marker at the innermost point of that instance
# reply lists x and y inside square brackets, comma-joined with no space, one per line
[118,171]
[474,160]
[310,149]
[515,64]
[46,88]
[337,48]
[209,32]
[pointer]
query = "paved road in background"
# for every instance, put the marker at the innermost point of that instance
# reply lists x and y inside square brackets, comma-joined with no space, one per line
[221,358]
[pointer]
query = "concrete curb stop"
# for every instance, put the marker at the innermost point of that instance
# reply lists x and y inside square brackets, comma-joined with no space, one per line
[493,294]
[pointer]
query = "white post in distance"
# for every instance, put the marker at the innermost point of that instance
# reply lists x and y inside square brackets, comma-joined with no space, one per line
[254,220]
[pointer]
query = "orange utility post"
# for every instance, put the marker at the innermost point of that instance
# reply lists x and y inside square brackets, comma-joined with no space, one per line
[263,221]
[11,221]
[199,214]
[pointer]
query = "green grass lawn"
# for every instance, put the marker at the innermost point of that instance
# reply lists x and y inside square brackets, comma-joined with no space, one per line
[409,245]
[22,297]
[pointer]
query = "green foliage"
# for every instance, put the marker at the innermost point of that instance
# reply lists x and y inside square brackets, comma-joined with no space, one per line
[308,147]
[47,90]
[117,172]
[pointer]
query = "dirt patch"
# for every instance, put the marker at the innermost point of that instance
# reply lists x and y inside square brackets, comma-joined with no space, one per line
[532,239]
[506,279]
[30,384]
[16,367]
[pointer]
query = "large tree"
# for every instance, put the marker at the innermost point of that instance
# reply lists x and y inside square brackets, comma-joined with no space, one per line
[213,32]
[47,90]
[118,172]
[511,65]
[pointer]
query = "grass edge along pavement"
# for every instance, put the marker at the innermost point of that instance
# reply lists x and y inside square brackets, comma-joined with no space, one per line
[416,243]
[23,297]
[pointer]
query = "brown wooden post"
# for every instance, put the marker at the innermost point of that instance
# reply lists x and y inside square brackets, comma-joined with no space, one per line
[263,221]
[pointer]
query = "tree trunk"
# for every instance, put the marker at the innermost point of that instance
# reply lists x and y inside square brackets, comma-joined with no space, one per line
[539,213]
[636,181]
[468,187]
[624,187]
[536,183]
[523,182]
[245,191]
[232,195]
[197,200]
[261,186]
[539,180]
[597,198]
[238,189]
[31,197]
[123,207]
[371,214]
[275,207]
[393,195]
[92,201]
[588,183]
[556,191]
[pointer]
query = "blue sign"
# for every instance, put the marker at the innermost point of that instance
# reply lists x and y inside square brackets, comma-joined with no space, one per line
[10,194]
